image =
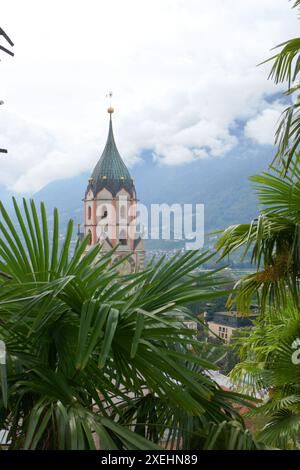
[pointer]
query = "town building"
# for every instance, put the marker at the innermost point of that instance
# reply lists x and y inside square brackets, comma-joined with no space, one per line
[223,324]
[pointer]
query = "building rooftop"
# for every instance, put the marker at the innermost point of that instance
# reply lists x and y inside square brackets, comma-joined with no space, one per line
[237,314]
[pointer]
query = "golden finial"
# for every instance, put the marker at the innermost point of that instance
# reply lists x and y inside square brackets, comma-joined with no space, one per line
[110,109]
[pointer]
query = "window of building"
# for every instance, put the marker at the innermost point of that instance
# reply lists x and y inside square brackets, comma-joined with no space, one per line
[122,212]
[90,237]
[122,238]
[89,212]
[104,213]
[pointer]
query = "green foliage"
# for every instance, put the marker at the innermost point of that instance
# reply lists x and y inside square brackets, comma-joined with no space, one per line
[267,363]
[230,436]
[286,68]
[274,242]
[94,355]
[274,239]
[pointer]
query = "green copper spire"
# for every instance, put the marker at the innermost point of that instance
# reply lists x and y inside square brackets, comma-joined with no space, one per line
[111,166]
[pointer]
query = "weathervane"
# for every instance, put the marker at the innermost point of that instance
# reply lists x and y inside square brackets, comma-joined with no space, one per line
[110,109]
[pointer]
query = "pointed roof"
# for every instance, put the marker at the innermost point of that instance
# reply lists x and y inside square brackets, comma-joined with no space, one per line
[110,171]
[111,164]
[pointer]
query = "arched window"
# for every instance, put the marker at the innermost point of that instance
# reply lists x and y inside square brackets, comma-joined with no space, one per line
[89,212]
[122,237]
[90,237]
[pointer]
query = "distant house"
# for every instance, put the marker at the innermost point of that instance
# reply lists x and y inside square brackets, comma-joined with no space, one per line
[223,324]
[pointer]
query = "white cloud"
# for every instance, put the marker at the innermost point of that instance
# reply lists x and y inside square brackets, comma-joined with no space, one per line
[182,72]
[37,156]
[262,127]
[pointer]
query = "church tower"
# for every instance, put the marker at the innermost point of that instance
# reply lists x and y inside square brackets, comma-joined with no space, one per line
[110,205]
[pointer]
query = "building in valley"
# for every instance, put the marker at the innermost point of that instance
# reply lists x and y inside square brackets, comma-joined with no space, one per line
[223,324]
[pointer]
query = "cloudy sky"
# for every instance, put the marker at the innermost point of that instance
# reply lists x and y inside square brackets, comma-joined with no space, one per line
[183,74]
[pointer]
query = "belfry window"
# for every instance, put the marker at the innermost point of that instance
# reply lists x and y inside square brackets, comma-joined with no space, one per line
[104,213]
[122,238]
[122,212]
[89,212]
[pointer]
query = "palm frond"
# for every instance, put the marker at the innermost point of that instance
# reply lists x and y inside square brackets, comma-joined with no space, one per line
[86,345]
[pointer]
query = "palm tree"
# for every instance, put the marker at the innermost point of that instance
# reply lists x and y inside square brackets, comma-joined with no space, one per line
[96,358]
[285,69]
[274,238]
[271,360]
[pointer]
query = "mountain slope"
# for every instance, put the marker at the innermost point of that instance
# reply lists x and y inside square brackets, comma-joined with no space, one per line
[221,184]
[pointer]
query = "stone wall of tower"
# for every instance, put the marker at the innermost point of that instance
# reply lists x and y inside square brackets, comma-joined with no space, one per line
[111,221]
[89,217]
